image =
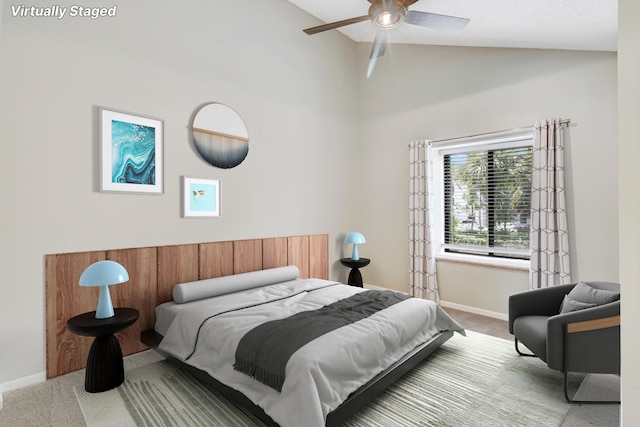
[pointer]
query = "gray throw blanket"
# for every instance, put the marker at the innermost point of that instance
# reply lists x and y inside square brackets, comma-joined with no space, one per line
[264,351]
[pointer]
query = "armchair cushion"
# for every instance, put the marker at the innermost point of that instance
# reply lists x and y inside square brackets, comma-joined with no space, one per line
[532,330]
[584,296]
[569,305]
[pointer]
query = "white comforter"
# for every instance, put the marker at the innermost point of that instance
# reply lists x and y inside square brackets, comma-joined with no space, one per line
[320,375]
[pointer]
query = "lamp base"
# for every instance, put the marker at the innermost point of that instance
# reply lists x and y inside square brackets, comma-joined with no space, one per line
[105,307]
[354,253]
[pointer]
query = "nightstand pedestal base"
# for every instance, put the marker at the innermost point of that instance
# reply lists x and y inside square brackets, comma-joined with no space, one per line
[105,369]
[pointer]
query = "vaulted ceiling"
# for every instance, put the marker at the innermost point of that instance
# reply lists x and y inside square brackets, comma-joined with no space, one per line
[544,24]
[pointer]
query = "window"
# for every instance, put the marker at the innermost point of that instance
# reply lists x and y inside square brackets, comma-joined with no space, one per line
[485,201]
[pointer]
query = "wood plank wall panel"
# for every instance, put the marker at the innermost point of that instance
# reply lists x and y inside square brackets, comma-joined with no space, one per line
[216,259]
[176,264]
[298,254]
[247,255]
[67,351]
[319,256]
[153,272]
[274,253]
[140,292]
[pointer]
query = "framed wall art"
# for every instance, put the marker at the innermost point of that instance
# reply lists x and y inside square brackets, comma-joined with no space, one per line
[201,197]
[131,153]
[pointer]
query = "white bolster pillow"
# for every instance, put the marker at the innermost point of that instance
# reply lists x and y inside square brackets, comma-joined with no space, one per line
[201,289]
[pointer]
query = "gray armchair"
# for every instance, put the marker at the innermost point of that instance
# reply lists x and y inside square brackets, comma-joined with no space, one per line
[585,340]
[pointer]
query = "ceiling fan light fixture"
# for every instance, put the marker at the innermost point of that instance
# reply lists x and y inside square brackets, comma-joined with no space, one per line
[386,16]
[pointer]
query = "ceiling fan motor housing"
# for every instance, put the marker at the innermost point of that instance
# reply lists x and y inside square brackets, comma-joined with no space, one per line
[387,15]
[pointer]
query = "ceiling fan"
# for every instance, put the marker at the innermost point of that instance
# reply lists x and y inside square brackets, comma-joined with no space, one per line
[388,14]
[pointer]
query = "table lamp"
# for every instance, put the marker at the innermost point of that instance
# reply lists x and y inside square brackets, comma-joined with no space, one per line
[355,238]
[103,274]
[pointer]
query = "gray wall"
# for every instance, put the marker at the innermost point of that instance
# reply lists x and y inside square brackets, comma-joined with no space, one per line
[629,205]
[295,94]
[435,92]
[328,150]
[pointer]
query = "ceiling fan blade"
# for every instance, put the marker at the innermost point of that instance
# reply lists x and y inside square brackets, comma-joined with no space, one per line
[378,49]
[338,24]
[435,21]
[379,45]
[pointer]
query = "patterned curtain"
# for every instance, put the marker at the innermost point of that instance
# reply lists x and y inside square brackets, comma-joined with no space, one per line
[550,262]
[422,264]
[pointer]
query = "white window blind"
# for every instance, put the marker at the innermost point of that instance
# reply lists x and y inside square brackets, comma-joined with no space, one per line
[486,196]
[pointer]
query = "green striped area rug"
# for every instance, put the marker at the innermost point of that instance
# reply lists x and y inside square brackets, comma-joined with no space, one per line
[476,380]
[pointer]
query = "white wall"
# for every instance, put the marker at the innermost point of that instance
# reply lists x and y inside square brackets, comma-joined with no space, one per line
[163,60]
[436,92]
[629,206]
[479,288]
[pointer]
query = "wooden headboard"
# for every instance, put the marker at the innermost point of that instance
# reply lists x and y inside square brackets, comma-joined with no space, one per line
[153,272]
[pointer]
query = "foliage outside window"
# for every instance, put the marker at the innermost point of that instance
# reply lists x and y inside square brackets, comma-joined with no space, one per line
[487,200]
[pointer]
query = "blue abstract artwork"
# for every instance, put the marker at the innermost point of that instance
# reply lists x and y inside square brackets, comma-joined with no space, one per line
[133,154]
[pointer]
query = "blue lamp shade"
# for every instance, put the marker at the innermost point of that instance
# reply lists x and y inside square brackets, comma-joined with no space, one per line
[103,274]
[355,238]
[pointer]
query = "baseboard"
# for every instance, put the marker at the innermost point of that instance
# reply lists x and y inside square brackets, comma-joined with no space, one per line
[475,310]
[21,382]
[377,288]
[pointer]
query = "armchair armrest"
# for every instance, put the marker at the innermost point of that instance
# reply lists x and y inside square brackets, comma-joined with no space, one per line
[537,302]
[556,328]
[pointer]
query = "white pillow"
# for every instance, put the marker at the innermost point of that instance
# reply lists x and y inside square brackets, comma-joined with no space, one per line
[201,289]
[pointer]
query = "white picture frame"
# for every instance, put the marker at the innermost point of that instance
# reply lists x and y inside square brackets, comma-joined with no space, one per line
[201,197]
[131,153]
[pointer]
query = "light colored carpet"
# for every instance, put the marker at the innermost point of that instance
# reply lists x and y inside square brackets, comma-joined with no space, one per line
[476,380]
[53,402]
[159,394]
[595,387]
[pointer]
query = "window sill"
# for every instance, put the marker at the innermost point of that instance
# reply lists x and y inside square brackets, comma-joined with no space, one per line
[503,263]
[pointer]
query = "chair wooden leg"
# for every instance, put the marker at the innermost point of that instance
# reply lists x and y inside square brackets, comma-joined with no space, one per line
[521,353]
[584,402]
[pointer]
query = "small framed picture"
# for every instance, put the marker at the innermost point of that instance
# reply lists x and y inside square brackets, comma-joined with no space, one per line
[201,197]
[131,153]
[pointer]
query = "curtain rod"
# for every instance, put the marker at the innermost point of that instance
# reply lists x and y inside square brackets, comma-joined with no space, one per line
[506,131]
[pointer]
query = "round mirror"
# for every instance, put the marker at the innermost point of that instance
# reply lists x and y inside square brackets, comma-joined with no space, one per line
[220,136]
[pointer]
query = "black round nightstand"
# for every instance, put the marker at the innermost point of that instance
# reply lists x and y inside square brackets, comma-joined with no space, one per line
[104,363]
[355,278]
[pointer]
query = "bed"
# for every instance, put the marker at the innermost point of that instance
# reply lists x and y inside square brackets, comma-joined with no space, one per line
[329,376]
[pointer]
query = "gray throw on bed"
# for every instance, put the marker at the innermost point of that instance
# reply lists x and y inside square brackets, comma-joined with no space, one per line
[264,351]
